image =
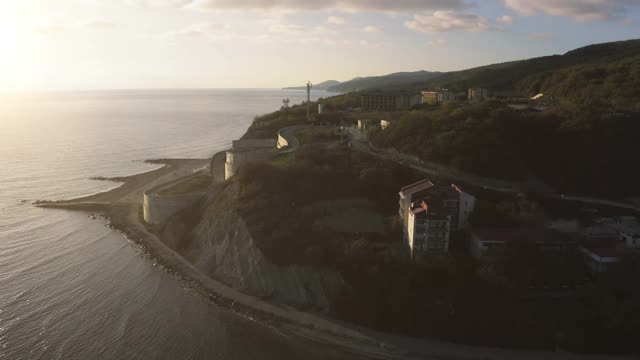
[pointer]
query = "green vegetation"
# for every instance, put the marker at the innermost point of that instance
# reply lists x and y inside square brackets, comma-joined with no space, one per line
[610,62]
[573,148]
[318,134]
[191,184]
[383,81]
[277,202]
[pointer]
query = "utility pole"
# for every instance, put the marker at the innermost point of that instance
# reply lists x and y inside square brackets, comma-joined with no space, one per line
[285,108]
[309,86]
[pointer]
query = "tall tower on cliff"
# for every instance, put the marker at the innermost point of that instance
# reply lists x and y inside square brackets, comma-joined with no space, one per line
[309,86]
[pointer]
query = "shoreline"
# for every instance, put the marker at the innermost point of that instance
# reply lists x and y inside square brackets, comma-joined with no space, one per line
[126,217]
[122,208]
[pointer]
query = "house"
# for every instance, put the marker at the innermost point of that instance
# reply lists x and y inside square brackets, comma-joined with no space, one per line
[600,257]
[477,94]
[428,228]
[390,100]
[487,242]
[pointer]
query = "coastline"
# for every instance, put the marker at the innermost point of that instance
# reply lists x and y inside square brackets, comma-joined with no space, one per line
[122,207]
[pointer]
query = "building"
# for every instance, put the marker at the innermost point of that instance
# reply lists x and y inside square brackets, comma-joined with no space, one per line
[366,124]
[320,108]
[429,97]
[409,194]
[608,239]
[477,94]
[437,97]
[600,259]
[486,243]
[445,96]
[422,204]
[390,101]
[429,228]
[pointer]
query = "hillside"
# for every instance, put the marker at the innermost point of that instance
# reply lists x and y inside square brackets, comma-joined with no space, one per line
[395,79]
[609,64]
[322,86]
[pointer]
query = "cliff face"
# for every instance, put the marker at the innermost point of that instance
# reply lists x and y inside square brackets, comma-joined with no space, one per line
[221,246]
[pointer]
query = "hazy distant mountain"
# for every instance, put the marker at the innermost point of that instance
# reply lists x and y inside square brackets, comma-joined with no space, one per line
[322,86]
[395,79]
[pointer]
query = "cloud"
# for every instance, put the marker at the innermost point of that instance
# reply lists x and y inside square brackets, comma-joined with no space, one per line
[443,21]
[582,10]
[437,42]
[505,19]
[151,3]
[310,5]
[541,36]
[99,24]
[290,29]
[371,29]
[48,29]
[336,20]
[207,30]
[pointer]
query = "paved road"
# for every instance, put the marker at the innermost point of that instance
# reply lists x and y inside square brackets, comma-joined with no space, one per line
[289,133]
[360,142]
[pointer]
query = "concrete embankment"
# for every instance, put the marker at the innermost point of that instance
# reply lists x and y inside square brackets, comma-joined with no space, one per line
[158,207]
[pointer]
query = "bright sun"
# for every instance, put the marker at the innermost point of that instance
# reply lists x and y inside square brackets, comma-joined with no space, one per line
[13,45]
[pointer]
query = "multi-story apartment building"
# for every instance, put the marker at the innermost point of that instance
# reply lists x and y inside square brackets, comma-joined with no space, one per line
[477,94]
[428,229]
[390,101]
[425,207]
[437,97]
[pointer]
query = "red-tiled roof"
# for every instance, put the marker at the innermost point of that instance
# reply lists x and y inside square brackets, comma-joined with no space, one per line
[415,187]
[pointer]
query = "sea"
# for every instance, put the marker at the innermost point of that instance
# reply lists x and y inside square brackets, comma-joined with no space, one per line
[73,288]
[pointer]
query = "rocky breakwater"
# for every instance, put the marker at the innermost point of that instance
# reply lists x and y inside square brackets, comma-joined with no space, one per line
[221,246]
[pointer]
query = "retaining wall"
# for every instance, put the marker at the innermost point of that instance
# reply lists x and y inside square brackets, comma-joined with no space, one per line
[235,159]
[217,167]
[282,142]
[158,208]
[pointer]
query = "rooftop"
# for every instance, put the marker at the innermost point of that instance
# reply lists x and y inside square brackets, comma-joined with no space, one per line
[390,93]
[537,235]
[415,187]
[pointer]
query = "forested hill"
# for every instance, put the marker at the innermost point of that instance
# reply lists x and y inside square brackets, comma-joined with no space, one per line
[596,74]
[395,79]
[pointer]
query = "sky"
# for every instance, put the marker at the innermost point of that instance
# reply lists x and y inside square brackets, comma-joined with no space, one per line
[143,44]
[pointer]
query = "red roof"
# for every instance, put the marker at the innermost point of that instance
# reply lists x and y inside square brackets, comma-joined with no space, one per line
[415,187]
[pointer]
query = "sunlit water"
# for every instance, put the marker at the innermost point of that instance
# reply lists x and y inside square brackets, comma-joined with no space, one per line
[72,288]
